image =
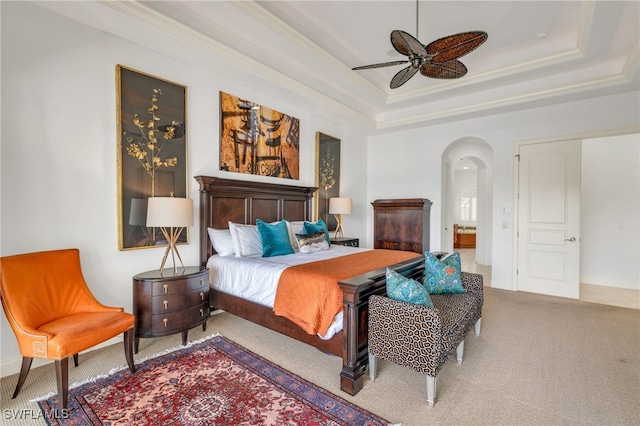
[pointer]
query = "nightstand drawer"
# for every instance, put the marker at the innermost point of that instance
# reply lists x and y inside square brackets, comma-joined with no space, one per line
[176,302]
[165,323]
[398,245]
[346,241]
[179,286]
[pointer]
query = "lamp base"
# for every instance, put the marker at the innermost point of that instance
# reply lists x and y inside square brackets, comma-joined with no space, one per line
[172,237]
[339,229]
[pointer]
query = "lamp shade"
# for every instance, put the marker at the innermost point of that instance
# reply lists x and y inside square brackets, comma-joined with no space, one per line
[169,212]
[340,205]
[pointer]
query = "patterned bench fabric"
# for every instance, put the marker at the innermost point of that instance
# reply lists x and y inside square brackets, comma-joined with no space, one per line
[423,338]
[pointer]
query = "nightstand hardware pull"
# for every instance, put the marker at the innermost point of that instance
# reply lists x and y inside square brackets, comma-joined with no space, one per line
[166,304]
[201,295]
[166,321]
[201,312]
[166,288]
[201,281]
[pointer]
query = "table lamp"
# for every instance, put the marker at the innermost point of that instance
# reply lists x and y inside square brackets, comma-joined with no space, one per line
[339,207]
[171,215]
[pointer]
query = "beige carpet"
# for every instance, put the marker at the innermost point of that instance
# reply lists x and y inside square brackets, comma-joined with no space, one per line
[539,361]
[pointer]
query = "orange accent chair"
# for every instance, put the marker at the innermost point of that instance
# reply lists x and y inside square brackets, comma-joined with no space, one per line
[54,315]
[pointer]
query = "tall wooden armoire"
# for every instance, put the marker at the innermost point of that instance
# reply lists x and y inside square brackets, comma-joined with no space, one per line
[402,224]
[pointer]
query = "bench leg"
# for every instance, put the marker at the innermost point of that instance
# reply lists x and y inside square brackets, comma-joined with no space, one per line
[460,352]
[373,367]
[431,390]
[478,326]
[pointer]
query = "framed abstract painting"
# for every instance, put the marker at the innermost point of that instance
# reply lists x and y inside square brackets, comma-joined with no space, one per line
[258,140]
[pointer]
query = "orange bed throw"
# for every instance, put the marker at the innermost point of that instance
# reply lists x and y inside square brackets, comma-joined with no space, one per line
[309,294]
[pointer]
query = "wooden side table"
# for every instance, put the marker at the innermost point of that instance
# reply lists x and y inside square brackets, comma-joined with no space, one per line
[346,241]
[169,303]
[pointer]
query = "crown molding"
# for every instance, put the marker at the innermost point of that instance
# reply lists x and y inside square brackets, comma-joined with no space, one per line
[259,13]
[631,64]
[141,12]
[576,53]
[586,135]
[563,90]
[252,8]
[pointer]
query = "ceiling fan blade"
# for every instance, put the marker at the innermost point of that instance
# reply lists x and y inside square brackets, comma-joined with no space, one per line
[455,46]
[407,44]
[403,76]
[380,65]
[445,70]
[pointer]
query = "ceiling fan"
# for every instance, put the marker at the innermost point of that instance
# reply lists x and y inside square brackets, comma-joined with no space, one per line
[438,59]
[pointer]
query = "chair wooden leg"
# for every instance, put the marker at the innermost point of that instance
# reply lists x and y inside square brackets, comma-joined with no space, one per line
[75,360]
[478,324]
[62,377]
[128,349]
[24,371]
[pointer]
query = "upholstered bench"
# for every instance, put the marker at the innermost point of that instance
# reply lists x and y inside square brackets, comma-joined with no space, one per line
[423,338]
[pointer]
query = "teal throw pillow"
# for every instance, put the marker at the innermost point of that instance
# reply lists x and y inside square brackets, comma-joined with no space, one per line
[275,238]
[406,289]
[443,276]
[311,227]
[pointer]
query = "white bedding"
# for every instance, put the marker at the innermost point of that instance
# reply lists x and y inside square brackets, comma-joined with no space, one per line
[255,278]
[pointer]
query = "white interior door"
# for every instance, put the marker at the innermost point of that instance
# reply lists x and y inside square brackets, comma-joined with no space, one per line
[549,218]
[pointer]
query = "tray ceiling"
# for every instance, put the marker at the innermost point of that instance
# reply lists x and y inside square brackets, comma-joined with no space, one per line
[537,53]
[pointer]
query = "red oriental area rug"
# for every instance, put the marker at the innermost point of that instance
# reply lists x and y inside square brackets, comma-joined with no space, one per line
[213,382]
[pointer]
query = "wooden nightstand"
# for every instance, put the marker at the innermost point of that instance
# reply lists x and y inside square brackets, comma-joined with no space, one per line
[346,241]
[167,304]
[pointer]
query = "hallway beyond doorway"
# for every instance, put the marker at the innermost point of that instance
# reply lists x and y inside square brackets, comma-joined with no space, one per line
[469,264]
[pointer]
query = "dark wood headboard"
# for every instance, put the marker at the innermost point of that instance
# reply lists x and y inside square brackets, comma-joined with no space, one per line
[240,201]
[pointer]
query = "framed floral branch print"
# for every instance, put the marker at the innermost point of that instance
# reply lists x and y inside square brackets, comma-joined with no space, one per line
[152,151]
[327,176]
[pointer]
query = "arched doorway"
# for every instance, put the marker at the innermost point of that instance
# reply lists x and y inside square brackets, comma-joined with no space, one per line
[477,152]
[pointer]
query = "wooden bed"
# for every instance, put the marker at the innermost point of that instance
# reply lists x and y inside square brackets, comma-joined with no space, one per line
[224,200]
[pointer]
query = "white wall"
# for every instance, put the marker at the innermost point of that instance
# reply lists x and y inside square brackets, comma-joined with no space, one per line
[610,212]
[59,170]
[407,164]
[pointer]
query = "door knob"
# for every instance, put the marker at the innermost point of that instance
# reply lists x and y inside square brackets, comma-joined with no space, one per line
[572,239]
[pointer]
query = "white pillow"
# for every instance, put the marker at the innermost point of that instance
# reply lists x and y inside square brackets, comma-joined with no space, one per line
[246,239]
[221,241]
[294,228]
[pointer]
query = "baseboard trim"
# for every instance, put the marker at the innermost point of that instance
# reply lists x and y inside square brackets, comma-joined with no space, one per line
[11,366]
[502,285]
[605,295]
[604,282]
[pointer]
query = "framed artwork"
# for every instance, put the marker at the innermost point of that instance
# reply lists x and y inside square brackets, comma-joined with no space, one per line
[327,176]
[258,140]
[152,152]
